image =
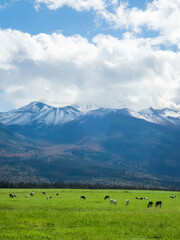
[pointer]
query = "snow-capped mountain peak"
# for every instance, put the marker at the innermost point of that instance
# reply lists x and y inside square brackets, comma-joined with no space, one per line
[164,116]
[37,112]
[42,114]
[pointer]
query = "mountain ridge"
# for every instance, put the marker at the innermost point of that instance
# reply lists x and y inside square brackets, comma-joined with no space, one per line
[41,113]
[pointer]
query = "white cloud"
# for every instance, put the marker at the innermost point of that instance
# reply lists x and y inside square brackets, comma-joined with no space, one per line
[7,3]
[131,72]
[78,5]
[162,16]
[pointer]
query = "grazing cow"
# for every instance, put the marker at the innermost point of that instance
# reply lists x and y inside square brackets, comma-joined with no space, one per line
[113,201]
[159,203]
[140,198]
[127,202]
[48,197]
[83,197]
[44,193]
[27,196]
[146,198]
[11,195]
[150,204]
[32,194]
[106,197]
[15,195]
[172,196]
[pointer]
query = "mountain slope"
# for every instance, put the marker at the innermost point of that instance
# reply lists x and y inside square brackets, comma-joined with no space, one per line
[39,114]
[102,145]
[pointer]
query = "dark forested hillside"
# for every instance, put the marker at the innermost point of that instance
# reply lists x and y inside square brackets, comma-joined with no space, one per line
[111,148]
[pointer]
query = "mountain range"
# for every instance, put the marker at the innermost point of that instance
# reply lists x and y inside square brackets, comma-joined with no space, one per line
[108,146]
[43,114]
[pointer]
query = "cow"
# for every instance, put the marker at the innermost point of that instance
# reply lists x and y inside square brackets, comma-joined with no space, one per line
[32,194]
[27,196]
[57,194]
[83,197]
[150,204]
[146,198]
[106,197]
[15,195]
[11,195]
[172,196]
[159,203]
[48,197]
[44,193]
[113,201]
[127,202]
[140,198]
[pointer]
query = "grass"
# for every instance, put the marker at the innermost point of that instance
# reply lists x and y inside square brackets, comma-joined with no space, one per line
[68,217]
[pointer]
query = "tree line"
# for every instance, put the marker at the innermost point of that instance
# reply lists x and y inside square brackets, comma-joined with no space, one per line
[74,185]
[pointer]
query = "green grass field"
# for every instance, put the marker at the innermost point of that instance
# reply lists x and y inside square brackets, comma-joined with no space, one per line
[68,217]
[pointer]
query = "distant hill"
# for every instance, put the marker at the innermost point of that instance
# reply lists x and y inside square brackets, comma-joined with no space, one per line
[107,146]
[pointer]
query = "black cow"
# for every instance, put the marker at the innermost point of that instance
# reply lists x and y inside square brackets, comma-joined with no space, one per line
[159,203]
[11,195]
[83,197]
[150,204]
[106,197]
[44,193]
[57,194]
[140,198]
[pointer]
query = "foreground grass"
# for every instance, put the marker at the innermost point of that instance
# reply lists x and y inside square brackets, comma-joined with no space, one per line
[68,217]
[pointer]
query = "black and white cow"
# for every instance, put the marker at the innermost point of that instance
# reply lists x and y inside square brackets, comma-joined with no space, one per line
[48,197]
[113,201]
[172,196]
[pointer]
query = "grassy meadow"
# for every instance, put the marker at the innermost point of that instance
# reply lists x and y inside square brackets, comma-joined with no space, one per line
[68,217]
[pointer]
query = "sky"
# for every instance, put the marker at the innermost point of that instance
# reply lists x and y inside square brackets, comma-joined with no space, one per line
[109,53]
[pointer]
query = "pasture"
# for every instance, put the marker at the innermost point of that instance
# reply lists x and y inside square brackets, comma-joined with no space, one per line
[68,217]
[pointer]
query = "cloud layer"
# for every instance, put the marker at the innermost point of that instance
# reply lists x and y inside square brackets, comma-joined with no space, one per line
[129,72]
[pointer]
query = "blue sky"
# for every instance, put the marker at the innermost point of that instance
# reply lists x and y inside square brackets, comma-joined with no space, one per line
[22,15]
[109,53]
